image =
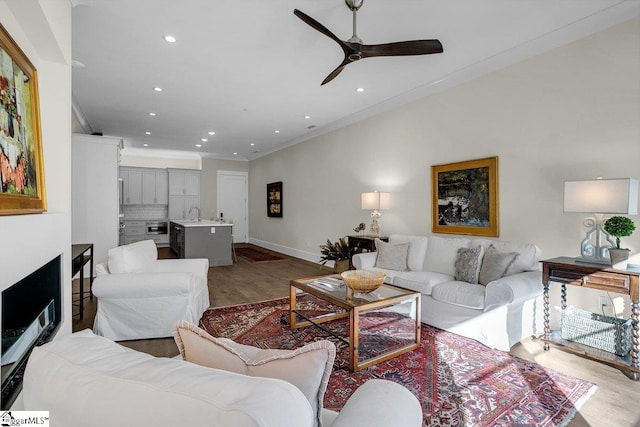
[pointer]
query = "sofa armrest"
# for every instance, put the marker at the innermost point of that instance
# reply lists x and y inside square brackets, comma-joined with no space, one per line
[197,266]
[143,285]
[101,268]
[515,288]
[364,260]
[400,407]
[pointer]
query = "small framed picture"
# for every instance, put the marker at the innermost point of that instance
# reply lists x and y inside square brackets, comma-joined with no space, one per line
[274,199]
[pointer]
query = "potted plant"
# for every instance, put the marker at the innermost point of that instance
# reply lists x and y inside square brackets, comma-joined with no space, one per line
[619,226]
[339,252]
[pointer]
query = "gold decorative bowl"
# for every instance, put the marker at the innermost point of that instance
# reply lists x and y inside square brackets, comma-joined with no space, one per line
[363,280]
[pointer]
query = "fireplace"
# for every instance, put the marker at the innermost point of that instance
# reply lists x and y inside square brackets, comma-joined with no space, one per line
[31,314]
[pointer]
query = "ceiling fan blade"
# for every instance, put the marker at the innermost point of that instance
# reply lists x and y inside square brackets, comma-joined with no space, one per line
[319,27]
[335,72]
[412,47]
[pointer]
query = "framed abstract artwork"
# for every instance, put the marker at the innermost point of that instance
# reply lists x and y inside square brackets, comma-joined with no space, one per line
[274,199]
[464,197]
[21,163]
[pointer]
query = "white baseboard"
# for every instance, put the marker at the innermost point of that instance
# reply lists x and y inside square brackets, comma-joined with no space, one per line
[307,256]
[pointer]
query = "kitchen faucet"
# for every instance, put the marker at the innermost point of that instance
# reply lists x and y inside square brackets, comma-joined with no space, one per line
[198,209]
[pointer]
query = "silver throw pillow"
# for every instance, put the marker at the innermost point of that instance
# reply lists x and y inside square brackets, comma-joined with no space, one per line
[392,257]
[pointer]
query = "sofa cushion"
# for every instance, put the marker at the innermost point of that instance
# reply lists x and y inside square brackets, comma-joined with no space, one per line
[133,258]
[308,367]
[529,255]
[441,254]
[420,281]
[468,264]
[460,293]
[391,256]
[495,264]
[417,249]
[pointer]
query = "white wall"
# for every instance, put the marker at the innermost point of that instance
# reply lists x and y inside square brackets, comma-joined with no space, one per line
[43,32]
[572,113]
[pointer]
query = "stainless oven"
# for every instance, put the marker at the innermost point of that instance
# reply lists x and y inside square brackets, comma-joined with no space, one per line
[157,227]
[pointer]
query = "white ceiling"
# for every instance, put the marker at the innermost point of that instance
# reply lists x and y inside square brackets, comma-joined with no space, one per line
[245,69]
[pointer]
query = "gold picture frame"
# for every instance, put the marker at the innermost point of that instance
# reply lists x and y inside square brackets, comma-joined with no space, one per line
[464,197]
[22,188]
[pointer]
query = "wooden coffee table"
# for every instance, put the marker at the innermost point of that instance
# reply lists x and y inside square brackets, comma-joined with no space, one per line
[382,324]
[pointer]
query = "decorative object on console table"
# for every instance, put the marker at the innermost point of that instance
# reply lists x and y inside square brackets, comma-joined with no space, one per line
[464,197]
[274,199]
[375,201]
[569,271]
[619,226]
[600,197]
[21,162]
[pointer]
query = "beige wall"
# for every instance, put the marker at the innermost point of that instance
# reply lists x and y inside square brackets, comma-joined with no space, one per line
[572,113]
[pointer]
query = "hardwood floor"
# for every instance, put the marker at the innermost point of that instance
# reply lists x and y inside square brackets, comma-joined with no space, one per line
[616,402]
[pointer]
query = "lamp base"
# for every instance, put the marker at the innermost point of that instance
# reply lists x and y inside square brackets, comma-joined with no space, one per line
[593,248]
[375,225]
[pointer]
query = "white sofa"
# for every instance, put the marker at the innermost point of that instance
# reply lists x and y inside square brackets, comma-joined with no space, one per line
[498,315]
[141,297]
[86,380]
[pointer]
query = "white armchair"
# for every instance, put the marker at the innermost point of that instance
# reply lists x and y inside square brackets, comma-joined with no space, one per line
[141,297]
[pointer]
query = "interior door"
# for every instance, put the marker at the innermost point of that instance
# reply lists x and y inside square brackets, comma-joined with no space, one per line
[233,189]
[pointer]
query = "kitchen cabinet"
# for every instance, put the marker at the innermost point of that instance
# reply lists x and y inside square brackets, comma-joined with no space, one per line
[205,239]
[184,193]
[155,187]
[132,185]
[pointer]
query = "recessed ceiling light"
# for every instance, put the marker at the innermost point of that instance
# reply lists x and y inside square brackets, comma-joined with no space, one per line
[235,154]
[198,145]
[147,133]
[204,139]
[360,89]
[212,133]
[252,144]
[157,89]
[277,131]
[145,145]
[170,38]
[307,117]
[152,114]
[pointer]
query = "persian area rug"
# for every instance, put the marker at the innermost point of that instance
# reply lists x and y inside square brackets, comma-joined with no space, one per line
[256,255]
[458,381]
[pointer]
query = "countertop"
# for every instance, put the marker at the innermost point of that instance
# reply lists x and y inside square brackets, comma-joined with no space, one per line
[201,223]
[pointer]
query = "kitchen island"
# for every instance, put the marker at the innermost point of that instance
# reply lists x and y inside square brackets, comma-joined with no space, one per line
[202,239]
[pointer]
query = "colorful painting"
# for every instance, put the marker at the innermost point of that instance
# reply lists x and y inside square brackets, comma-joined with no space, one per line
[21,170]
[274,199]
[465,197]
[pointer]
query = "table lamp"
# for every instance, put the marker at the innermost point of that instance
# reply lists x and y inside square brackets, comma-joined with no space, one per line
[375,201]
[600,197]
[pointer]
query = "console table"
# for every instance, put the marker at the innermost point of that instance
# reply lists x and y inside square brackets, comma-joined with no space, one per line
[359,244]
[567,271]
[81,254]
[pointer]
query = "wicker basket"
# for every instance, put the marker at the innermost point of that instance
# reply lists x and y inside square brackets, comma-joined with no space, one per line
[362,280]
[596,330]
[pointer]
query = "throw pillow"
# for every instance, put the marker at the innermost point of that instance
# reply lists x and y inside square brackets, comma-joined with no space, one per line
[308,367]
[390,256]
[468,264]
[495,264]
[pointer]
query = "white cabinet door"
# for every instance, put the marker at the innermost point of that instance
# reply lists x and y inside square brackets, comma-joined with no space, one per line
[176,207]
[149,188]
[192,184]
[162,187]
[132,186]
[176,183]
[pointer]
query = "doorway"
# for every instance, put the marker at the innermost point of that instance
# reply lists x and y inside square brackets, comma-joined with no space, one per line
[233,205]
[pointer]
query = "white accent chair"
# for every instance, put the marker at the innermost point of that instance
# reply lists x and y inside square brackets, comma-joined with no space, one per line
[141,297]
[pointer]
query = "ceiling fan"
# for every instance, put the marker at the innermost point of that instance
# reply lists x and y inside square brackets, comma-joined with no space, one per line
[354,50]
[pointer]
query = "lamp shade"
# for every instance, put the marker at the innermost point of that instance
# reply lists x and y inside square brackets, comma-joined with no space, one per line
[603,196]
[375,201]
